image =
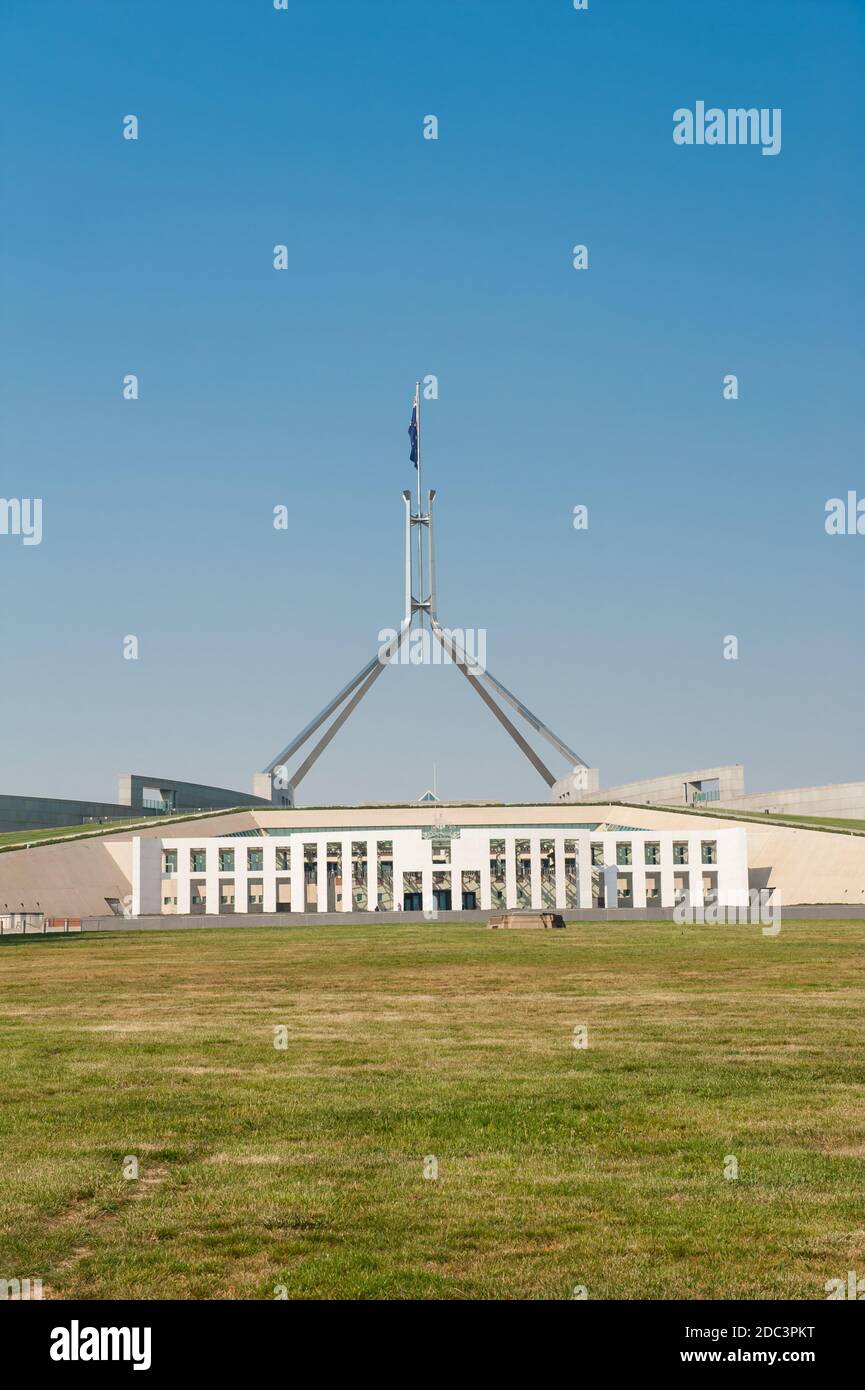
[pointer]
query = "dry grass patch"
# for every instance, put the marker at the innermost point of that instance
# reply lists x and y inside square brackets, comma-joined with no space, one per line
[556,1165]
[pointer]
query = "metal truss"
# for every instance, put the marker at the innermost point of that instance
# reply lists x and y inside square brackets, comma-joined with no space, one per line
[420,600]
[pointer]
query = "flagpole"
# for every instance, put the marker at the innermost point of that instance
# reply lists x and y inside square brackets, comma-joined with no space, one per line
[420,585]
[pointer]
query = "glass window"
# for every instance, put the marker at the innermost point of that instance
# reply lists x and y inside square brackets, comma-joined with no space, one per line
[169,861]
[497,873]
[548,873]
[226,861]
[226,895]
[255,859]
[710,851]
[384,879]
[334,876]
[597,854]
[359,876]
[680,851]
[572,875]
[523,868]
[623,853]
[653,852]
[412,894]
[682,888]
[198,860]
[599,888]
[471,890]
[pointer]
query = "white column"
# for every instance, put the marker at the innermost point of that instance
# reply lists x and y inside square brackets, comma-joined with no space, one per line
[146,876]
[733,868]
[667,890]
[426,875]
[638,855]
[279,849]
[136,875]
[584,870]
[486,894]
[346,875]
[398,868]
[559,843]
[211,879]
[371,876]
[321,875]
[695,866]
[535,859]
[241,879]
[268,844]
[183,888]
[611,873]
[298,889]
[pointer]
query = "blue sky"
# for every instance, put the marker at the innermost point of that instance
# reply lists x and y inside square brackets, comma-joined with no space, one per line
[557,387]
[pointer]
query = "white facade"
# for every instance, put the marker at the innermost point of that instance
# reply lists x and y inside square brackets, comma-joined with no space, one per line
[557,867]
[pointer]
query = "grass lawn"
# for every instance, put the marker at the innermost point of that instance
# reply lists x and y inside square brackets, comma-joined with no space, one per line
[557,1166]
[835,822]
[14,838]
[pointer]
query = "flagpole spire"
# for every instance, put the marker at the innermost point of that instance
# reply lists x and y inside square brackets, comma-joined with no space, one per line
[420,578]
[281,786]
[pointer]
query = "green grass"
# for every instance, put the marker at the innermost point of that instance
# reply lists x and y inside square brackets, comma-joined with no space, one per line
[18,839]
[558,1167]
[714,811]
[14,838]
[845,823]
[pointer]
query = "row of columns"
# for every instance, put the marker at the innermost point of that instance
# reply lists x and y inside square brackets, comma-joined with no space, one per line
[405,861]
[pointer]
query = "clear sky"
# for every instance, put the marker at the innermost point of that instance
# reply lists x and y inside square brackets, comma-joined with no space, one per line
[557,387]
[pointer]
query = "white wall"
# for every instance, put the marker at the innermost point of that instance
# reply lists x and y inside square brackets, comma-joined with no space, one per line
[470,850]
[839,800]
[146,876]
[667,790]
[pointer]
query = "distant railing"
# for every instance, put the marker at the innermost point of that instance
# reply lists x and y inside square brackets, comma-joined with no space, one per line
[35,924]
[706,796]
[104,820]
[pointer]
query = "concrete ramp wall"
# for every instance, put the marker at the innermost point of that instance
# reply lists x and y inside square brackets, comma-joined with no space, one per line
[837,800]
[75,877]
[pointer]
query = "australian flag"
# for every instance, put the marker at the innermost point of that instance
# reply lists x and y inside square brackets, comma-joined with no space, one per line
[412,433]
